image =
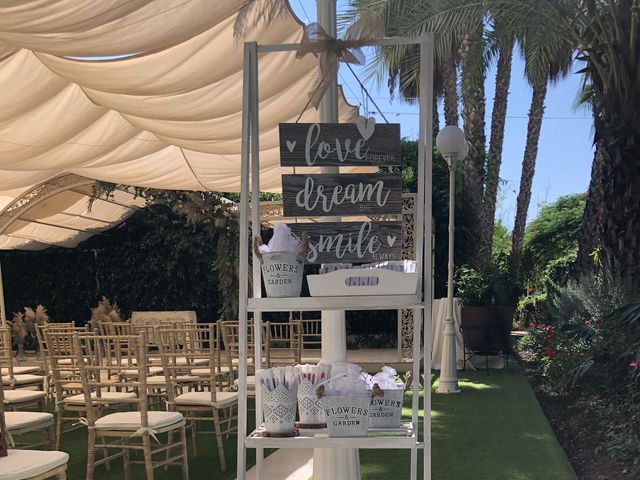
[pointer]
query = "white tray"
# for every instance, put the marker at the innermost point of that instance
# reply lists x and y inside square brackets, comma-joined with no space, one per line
[389,282]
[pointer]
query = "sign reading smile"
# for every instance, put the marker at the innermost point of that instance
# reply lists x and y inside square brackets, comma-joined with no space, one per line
[342,194]
[339,144]
[354,242]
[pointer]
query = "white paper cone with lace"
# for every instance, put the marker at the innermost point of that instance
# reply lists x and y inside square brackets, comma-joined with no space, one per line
[279,409]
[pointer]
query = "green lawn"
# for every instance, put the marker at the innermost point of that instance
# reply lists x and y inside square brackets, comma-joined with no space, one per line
[493,430]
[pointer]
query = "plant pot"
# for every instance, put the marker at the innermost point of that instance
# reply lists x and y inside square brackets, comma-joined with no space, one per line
[21,356]
[486,330]
[502,316]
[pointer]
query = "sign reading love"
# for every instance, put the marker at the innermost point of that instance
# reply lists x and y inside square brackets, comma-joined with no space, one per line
[339,144]
[353,242]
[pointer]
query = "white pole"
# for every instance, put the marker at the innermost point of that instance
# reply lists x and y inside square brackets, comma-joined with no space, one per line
[426,111]
[448,382]
[241,463]
[255,230]
[3,313]
[334,463]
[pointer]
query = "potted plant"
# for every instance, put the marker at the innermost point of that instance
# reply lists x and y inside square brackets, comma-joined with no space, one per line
[105,312]
[489,294]
[23,325]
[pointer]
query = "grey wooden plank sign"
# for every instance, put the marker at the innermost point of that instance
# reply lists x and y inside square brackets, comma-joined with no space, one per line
[342,194]
[353,242]
[339,144]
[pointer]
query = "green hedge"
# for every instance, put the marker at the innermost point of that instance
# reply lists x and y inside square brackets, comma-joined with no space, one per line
[153,261]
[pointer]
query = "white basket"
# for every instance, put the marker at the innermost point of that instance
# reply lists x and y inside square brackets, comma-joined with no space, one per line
[309,407]
[282,273]
[347,416]
[279,409]
[380,282]
[385,412]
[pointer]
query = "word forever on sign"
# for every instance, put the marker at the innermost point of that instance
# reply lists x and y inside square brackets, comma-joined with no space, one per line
[339,144]
[353,242]
[342,194]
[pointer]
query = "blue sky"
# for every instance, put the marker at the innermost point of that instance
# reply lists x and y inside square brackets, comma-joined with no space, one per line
[565,150]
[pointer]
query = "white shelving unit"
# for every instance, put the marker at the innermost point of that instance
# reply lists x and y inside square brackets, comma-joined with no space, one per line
[405,437]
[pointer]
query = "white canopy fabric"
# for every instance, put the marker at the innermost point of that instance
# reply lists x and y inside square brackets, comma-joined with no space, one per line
[163,110]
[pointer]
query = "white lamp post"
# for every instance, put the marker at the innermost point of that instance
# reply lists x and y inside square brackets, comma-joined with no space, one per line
[454,148]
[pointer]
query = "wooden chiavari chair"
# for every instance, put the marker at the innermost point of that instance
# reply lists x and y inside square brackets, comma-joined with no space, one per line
[231,338]
[67,384]
[138,430]
[27,464]
[223,366]
[42,348]
[209,404]
[285,343]
[11,379]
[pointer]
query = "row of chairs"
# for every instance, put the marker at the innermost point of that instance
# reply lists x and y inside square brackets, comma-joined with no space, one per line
[188,371]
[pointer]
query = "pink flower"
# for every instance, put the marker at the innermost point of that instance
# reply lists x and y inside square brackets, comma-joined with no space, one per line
[550,352]
[532,324]
[634,364]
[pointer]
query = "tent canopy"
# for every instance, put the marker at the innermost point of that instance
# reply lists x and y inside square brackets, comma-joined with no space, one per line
[138,93]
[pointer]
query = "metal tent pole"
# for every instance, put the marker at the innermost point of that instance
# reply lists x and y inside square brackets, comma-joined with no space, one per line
[343,463]
[241,464]
[3,312]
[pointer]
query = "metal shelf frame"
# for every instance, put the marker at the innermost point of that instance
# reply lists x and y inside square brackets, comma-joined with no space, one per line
[407,435]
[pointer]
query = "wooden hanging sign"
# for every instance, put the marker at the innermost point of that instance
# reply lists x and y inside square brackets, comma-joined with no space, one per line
[339,144]
[352,242]
[342,194]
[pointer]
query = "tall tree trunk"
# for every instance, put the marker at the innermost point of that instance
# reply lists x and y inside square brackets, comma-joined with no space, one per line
[473,98]
[591,234]
[494,158]
[528,166]
[435,117]
[450,84]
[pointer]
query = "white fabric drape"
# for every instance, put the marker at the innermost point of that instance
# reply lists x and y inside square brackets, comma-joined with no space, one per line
[138,93]
[167,114]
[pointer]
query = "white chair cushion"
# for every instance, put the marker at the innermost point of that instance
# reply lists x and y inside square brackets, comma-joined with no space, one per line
[134,371]
[113,397]
[20,396]
[125,361]
[21,370]
[20,420]
[23,464]
[160,380]
[251,382]
[130,421]
[181,361]
[205,372]
[23,379]
[204,398]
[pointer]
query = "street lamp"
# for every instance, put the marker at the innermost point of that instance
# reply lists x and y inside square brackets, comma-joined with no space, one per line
[454,148]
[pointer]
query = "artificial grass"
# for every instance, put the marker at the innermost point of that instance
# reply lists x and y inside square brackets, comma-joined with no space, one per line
[205,466]
[493,430]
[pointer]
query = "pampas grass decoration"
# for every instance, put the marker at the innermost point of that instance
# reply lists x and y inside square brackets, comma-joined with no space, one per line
[104,312]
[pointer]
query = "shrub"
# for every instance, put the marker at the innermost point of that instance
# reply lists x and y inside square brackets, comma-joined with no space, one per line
[496,285]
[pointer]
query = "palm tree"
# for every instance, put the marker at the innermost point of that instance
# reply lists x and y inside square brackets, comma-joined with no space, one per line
[496,142]
[534,125]
[604,34]
[461,43]
[473,99]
